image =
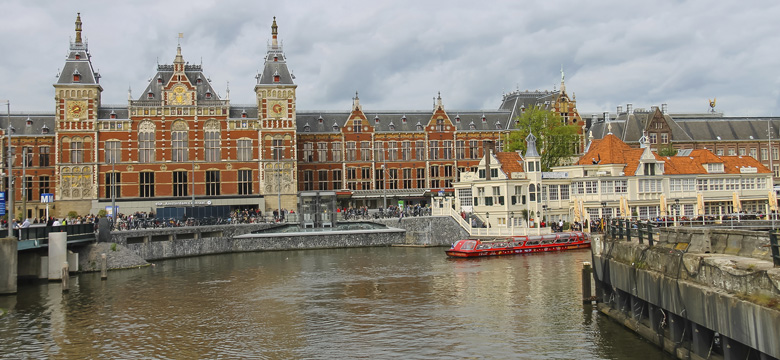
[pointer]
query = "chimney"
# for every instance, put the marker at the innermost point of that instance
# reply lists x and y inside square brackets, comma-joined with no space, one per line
[664,109]
[594,119]
[488,148]
[619,110]
[630,109]
[606,116]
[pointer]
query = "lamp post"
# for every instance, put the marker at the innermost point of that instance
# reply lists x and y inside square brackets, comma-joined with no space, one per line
[113,191]
[512,221]
[10,196]
[384,184]
[676,210]
[604,212]
[192,211]
[487,216]
[544,212]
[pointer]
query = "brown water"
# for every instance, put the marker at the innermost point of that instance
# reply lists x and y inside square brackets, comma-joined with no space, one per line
[375,303]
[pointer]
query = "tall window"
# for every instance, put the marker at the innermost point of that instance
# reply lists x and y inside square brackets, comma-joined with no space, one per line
[212,182]
[365,175]
[336,152]
[276,149]
[28,188]
[76,151]
[180,184]
[146,185]
[406,151]
[113,185]
[244,152]
[379,178]
[28,155]
[212,141]
[43,155]
[365,151]
[392,179]
[308,180]
[308,152]
[392,151]
[473,149]
[322,151]
[419,151]
[112,151]
[439,124]
[146,142]
[43,184]
[322,179]
[460,149]
[351,151]
[447,144]
[379,151]
[351,178]
[434,147]
[337,180]
[421,178]
[179,141]
[244,182]
[357,125]
[407,178]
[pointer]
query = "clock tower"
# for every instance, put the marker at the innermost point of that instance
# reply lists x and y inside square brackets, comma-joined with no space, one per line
[77,99]
[275,92]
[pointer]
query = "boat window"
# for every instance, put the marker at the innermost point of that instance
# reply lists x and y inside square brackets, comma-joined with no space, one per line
[532,243]
[468,245]
[483,246]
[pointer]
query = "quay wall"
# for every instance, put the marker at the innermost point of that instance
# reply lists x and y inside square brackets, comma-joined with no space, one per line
[693,284]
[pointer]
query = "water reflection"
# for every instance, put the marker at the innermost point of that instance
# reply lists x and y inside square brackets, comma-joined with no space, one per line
[341,303]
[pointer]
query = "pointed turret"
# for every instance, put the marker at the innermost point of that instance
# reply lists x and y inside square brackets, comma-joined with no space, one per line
[274,33]
[78,28]
[275,71]
[78,66]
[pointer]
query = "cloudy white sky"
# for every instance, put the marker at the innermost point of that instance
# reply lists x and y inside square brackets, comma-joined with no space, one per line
[399,54]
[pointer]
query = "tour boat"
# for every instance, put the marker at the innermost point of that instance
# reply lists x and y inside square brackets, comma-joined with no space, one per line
[520,244]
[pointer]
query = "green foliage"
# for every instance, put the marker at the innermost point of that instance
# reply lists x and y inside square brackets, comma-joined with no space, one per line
[667,151]
[113,247]
[524,214]
[556,142]
[72,214]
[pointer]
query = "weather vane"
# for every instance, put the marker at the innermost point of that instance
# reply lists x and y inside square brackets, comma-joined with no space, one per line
[712,104]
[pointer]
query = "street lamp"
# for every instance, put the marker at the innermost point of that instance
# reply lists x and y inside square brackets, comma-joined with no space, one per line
[384,184]
[603,213]
[487,216]
[512,221]
[10,197]
[676,210]
[544,211]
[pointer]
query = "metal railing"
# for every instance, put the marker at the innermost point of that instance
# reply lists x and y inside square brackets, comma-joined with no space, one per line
[775,247]
[621,228]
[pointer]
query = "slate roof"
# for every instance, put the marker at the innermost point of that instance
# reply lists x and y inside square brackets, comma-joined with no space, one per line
[393,121]
[272,68]
[517,101]
[38,122]
[193,74]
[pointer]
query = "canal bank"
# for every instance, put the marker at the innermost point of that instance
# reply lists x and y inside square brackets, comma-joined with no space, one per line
[697,293]
[138,247]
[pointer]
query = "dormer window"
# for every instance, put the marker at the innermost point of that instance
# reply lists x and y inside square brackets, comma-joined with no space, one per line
[78,56]
[714,168]
[419,126]
[472,126]
[457,118]
[391,126]
[199,80]
[159,79]
[335,127]
[76,76]
[28,122]
[112,115]
[498,125]
[320,119]
[403,119]
[306,128]
[276,57]
[208,94]
[44,129]
[243,113]
[376,119]
[484,119]
[277,78]
[150,95]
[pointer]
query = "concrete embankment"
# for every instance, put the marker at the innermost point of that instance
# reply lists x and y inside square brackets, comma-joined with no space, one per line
[698,293]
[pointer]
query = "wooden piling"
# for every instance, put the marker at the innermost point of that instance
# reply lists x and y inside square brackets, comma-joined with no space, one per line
[103,267]
[65,277]
[586,294]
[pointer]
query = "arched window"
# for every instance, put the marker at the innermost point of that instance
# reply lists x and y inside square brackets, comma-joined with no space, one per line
[112,151]
[212,137]
[76,151]
[179,141]
[146,142]
[532,192]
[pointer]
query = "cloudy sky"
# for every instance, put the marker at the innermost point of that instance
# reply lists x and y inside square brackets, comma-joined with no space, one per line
[399,54]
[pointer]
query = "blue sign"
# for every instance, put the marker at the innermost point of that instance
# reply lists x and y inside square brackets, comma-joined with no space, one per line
[47,198]
[2,202]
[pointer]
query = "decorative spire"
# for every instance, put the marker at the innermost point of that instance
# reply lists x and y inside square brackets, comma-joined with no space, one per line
[530,150]
[609,128]
[356,102]
[274,33]
[563,85]
[78,28]
[438,101]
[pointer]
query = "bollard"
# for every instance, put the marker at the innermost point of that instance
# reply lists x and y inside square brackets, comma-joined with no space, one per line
[65,277]
[586,296]
[103,267]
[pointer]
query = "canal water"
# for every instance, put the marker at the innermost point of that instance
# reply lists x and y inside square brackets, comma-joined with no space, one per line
[365,303]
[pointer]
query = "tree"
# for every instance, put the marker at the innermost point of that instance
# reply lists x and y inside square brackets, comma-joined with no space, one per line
[556,141]
[667,151]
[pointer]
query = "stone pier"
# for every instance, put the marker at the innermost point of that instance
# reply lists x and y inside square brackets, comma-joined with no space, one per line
[9,256]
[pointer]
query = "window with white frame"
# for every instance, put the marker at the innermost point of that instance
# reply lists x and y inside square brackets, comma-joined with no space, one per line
[244,149]
[464,195]
[701,184]
[553,191]
[591,187]
[732,184]
[621,186]
[716,184]
[212,138]
[607,187]
[564,192]
[650,186]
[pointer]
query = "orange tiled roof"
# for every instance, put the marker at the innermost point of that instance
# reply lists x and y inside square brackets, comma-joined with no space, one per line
[731,164]
[612,150]
[510,162]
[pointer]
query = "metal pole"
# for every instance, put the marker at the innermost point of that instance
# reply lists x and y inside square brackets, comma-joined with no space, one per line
[192,211]
[113,191]
[24,183]
[279,188]
[384,183]
[10,176]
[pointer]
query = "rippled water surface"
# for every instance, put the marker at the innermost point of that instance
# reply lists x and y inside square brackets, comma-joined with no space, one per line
[378,303]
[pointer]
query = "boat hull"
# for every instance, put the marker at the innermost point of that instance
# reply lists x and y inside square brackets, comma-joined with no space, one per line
[470,248]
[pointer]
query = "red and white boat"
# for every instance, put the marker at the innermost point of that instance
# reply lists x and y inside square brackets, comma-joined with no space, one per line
[520,244]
